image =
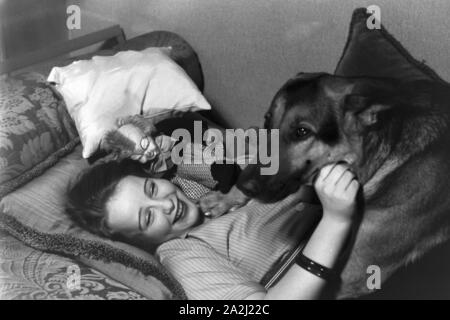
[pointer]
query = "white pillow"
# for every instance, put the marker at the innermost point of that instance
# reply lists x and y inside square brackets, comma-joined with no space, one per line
[102,90]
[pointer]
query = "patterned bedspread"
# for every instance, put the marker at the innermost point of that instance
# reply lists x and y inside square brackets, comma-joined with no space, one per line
[30,274]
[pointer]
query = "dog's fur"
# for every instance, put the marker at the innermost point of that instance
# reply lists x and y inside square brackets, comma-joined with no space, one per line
[395,135]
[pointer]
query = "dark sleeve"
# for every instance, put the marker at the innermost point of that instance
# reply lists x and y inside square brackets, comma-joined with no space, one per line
[226,175]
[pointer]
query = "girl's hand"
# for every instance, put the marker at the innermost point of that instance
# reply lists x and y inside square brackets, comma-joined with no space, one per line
[336,187]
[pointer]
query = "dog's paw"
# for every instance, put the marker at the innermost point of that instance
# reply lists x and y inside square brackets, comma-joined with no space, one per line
[216,203]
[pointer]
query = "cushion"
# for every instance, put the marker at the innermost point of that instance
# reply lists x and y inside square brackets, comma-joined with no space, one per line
[376,53]
[35,129]
[100,91]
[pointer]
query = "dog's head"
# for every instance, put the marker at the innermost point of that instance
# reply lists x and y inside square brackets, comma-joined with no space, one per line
[321,119]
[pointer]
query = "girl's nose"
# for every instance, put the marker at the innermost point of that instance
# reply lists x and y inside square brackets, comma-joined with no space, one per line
[166,204]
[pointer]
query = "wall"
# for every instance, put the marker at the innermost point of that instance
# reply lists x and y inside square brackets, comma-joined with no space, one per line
[28,25]
[248,48]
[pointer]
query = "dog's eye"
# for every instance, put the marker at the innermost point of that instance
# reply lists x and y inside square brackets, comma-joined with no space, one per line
[302,133]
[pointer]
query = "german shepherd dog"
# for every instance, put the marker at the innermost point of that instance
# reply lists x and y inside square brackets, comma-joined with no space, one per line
[395,137]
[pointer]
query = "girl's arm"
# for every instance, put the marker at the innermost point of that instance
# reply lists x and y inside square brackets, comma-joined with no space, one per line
[336,187]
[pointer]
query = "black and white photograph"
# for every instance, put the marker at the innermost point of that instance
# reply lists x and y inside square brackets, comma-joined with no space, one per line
[235,151]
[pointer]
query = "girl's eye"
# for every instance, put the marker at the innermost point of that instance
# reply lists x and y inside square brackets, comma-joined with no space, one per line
[148,216]
[150,187]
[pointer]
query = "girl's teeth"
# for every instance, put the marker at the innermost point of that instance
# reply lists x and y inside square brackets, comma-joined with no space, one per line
[179,211]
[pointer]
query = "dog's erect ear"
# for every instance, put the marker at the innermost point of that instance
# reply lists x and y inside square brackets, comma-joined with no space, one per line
[364,109]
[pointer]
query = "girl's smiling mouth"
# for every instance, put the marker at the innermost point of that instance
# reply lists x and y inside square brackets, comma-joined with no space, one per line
[180,211]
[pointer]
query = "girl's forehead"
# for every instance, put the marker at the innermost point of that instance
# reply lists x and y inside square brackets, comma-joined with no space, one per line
[130,182]
[122,209]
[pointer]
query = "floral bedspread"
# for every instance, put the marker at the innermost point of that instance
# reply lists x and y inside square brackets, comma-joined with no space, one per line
[34,124]
[30,274]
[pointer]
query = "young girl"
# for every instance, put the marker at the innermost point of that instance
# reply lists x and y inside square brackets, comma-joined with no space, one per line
[232,256]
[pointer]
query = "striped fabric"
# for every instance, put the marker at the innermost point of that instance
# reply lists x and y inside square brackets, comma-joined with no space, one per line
[229,257]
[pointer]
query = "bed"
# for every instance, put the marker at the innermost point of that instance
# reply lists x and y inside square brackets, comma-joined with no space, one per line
[43,255]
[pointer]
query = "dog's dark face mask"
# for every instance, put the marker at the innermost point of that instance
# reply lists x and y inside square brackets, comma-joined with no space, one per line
[321,120]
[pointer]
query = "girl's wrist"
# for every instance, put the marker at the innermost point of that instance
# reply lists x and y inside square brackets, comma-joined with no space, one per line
[327,241]
[336,223]
[337,219]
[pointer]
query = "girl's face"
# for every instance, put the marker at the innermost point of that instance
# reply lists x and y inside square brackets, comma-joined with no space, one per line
[150,210]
